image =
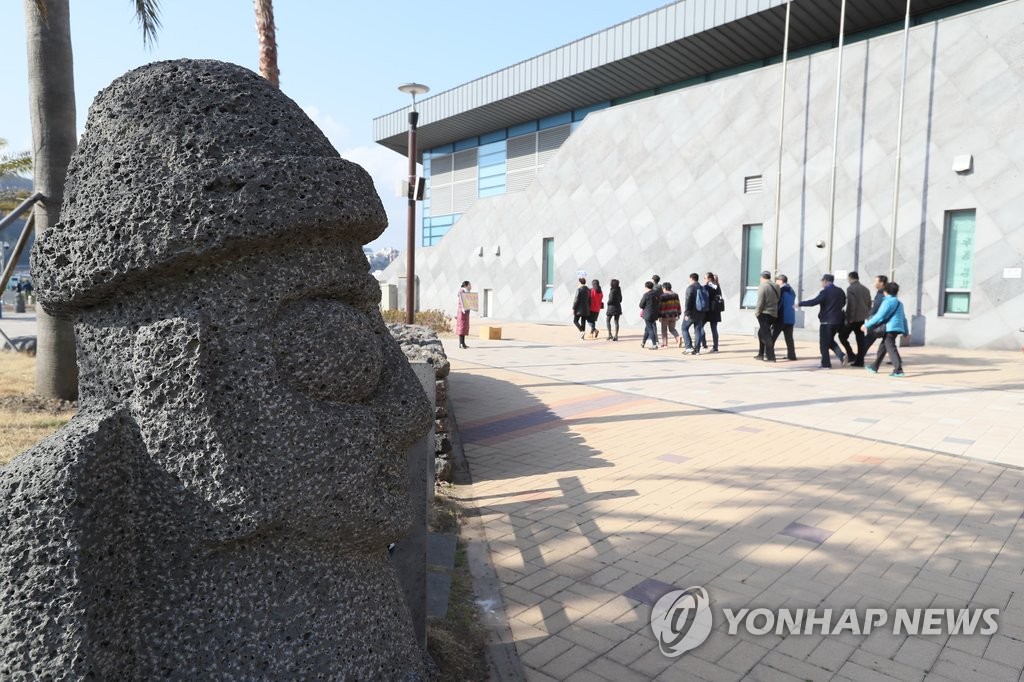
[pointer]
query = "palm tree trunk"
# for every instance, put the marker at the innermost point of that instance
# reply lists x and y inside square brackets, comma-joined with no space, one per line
[268,40]
[51,84]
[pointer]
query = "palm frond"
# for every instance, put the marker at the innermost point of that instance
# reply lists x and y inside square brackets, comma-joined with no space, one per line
[16,164]
[147,14]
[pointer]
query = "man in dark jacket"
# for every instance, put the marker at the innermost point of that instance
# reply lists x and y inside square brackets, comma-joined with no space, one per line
[581,307]
[831,318]
[693,314]
[858,306]
[869,338]
[787,316]
[650,304]
[766,311]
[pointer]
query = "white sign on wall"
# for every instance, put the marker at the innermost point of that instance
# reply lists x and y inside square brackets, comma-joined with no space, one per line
[1012,273]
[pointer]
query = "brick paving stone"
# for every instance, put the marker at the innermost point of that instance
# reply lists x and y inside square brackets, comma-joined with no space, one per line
[545,651]
[569,662]
[919,652]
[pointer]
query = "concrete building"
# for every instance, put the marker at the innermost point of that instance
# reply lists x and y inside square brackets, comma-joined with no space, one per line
[653,146]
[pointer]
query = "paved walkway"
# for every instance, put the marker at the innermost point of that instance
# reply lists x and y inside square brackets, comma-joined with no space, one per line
[606,476]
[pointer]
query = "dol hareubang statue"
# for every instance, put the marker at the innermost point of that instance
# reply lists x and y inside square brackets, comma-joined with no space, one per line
[221,505]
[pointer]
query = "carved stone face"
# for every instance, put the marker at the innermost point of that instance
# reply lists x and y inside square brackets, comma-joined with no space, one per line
[281,398]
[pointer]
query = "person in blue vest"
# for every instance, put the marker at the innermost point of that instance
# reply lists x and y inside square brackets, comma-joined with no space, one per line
[787,316]
[831,318]
[892,315]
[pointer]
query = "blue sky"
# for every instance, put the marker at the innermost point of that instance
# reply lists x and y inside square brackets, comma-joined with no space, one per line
[341,61]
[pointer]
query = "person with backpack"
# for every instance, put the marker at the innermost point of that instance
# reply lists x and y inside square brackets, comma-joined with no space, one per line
[892,315]
[596,304]
[581,307]
[650,305]
[695,308]
[714,316]
[614,309]
[669,313]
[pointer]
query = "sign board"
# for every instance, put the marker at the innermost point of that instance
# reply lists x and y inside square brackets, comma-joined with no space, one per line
[470,300]
[1012,273]
[841,275]
[581,273]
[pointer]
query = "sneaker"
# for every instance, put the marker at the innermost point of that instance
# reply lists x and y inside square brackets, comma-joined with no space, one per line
[897,375]
[871,369]
[583,335]
[842,359]
[597,333]
[714,350]
[694,352]
[615,338]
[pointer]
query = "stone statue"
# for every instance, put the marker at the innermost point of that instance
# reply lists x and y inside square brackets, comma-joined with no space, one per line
[221,506]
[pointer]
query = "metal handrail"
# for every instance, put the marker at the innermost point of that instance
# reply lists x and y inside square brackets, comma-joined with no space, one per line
[19,209]
[12,261]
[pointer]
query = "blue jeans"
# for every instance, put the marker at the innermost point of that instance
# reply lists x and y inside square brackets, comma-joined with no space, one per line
[650,332]
[698,333]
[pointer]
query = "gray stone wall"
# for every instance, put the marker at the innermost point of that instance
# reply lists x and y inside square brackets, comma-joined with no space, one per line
[657,185]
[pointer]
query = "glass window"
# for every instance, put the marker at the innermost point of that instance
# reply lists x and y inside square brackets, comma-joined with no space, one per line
[556,120]
[752,245]
[522,129]
[548,271]
[496,136]
[958,265]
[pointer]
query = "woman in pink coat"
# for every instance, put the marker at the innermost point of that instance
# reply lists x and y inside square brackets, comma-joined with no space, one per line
[462,317]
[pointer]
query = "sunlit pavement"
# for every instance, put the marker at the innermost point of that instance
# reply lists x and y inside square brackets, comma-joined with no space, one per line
[606,475]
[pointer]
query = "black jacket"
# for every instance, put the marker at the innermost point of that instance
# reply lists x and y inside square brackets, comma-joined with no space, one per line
[581,304]
[877,303]
[831,299]
[650,303]
[690,303]
[614,301]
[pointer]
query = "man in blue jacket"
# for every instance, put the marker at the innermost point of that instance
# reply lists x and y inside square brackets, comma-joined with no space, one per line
[831,318]
[787,316]
[892,315]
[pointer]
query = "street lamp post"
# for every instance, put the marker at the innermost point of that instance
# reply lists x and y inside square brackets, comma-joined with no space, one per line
[410,246]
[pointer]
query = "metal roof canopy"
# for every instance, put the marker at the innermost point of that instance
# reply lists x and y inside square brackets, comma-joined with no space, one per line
[684,40]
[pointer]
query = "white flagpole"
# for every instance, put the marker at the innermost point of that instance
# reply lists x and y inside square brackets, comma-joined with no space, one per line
[899,144]
[782,127]
[835,140]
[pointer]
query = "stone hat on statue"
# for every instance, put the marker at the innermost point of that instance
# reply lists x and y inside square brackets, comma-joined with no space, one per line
[206,159]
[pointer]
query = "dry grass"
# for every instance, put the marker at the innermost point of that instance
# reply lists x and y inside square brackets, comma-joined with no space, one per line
[24,418]
[458,642]
[438,320]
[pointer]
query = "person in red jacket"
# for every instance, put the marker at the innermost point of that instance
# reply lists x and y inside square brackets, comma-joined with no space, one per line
[596,304]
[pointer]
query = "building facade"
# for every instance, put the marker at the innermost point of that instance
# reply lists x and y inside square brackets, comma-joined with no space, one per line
[619,162]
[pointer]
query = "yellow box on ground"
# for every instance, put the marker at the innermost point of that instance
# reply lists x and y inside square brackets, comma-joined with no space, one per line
[490,333]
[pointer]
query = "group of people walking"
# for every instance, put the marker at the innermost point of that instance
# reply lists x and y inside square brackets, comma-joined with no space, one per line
[700,305]
[839,315]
